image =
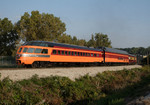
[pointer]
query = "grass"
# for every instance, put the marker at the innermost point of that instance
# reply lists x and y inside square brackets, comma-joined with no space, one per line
[107,88]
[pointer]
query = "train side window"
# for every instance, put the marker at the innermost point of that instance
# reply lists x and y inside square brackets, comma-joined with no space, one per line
[44,51]
[78,54]
[20,49]
[25,49]
[62,52]
[97,55]
[91,55]
[59,52]
[81,53]
[69,53]
[30,50]
[94,55]
[88,54]
[54,52]
[37,50]
[72,53]
[65,52]
[75,53]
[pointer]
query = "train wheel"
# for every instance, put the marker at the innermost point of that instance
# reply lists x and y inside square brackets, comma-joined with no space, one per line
[44,64]
[36,64]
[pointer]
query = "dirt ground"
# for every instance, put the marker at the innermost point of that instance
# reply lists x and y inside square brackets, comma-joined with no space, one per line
[71,72]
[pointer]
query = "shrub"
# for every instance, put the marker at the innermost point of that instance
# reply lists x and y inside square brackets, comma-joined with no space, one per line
[61,90]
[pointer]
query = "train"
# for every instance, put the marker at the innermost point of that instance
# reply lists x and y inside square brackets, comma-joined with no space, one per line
[44,54]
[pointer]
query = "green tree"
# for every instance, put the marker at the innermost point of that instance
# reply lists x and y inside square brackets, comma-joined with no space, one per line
[141,51]
[81,42]
[147,50]
[98,40]
[8,37]
[65,39]
[74,40]
[38,26]
[102,40]
[91,42]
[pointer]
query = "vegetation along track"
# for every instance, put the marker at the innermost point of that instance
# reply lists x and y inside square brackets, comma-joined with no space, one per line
[72,73]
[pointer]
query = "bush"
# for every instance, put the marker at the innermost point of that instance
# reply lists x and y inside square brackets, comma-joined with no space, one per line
[61,90]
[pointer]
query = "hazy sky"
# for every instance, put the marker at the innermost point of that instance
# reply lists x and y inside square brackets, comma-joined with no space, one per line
[126,22]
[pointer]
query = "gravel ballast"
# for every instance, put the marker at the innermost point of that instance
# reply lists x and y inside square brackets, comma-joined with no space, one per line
[72,73]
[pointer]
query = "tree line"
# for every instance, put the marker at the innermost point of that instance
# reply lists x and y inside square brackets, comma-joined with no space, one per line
[47,27]
[137,50]
[43,27]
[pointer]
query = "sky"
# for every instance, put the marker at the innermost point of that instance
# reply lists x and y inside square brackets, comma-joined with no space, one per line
[126,22]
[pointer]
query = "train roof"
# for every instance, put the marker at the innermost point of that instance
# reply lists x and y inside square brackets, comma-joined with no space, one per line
[116,51]
[132,55]
[52,44]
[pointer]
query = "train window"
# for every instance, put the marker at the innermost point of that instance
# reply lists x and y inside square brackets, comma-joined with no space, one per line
[20,49]
[54,52]
[59,52]
[75,53]
[94,55]
[72,53]
[97,55]
[62,52]
[44,51]
[88,54]
[37,50]
[78,53]
[25,49]
[30,50]
[91,55]
[65,52]
[83,54]
[120,58]
[69,53]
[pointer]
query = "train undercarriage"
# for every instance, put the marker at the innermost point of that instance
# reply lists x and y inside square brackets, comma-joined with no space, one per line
[46,64]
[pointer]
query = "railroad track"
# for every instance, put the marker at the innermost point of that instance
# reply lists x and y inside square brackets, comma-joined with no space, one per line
[26,68]
[56,66]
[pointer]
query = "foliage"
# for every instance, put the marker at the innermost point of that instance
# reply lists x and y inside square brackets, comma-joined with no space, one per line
[65,39]
[38,26]
[103,88]
[91,42]
[137,50]
[8,37]
[41,26]
[99,40]
[102,40]
[71,40]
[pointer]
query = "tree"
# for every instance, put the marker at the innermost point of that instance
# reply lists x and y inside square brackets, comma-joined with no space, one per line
[81,42]
[65,39]
[74,40]
[99,40]
[8,37]
[102,40]
[141,51]
[91,42]
[38,26]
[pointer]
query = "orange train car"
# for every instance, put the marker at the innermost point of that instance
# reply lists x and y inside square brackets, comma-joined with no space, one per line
[115,56]
[41,53]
